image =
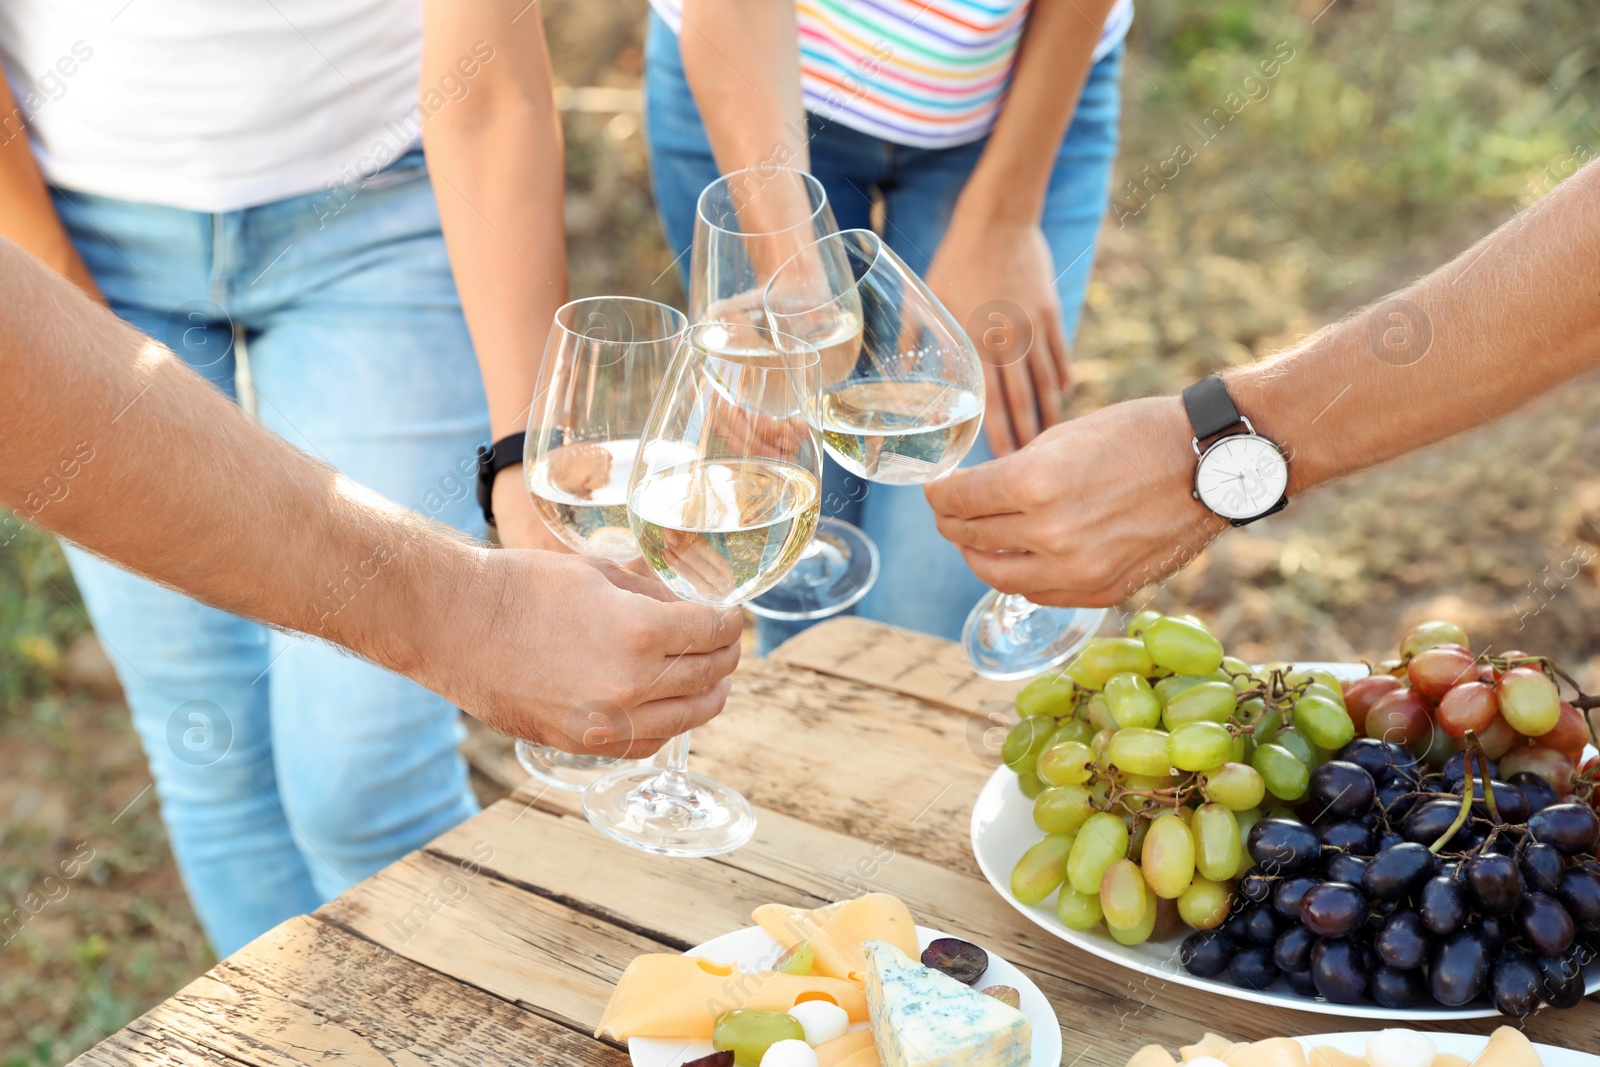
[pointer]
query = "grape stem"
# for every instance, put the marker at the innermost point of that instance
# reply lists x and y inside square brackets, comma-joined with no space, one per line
[1466,800]
[1475,751]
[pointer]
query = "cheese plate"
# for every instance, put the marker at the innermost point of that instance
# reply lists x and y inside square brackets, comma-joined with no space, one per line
[753,949]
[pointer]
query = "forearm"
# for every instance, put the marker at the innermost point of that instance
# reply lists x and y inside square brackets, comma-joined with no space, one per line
[1053,62]
[110,441]
[496,158]
[1507,320]
[27,215]
[742,60]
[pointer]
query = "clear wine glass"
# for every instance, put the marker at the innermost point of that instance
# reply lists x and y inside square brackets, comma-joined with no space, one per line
[604,363]
[747,224]
[1009,637]
[723,499]
[906,410]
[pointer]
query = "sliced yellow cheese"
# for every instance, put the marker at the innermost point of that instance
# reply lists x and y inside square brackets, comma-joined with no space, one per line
[834,1053]
[1210,1045]
[1273,1052]
[1152,1056]
[867,1057]
[836,931]
[1448,1059]
[1508,1048]
[1328,1056]
[663,995]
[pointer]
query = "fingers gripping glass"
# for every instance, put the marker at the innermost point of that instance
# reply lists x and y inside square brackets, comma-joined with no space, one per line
[748,224]
[723,499]
[603,365]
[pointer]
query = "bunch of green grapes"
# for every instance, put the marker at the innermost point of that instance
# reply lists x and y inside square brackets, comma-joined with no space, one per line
[1148,759]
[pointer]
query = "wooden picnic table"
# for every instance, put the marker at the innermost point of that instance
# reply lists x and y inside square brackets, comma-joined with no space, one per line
[500,942]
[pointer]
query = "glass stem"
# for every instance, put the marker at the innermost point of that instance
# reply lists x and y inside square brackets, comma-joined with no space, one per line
[674,777]
[1014,609]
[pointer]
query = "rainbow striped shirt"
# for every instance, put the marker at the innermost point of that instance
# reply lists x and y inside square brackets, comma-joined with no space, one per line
[928,73]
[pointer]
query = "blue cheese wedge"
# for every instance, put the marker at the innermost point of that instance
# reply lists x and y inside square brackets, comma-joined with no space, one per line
[924,1018]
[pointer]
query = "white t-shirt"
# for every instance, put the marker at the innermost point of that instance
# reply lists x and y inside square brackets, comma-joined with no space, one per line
[212,105]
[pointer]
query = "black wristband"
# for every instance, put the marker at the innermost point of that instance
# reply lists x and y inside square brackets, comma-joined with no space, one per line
[504,453]
[1211,409]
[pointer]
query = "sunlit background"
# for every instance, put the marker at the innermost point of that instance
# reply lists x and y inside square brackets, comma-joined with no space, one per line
[1396,134]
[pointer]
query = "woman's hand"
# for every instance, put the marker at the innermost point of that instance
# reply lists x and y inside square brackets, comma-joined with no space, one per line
[998,280]
[1088,513]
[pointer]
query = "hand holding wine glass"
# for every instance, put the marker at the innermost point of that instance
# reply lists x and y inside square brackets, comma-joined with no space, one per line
[604,362]
[723,498]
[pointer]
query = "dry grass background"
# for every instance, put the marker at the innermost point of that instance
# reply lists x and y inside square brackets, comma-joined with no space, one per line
[1399,133]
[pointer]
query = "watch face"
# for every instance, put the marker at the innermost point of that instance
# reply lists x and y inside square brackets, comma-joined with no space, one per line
[1241,476]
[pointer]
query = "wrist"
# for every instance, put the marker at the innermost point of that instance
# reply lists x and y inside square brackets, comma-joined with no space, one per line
[1003,192]
[440,623]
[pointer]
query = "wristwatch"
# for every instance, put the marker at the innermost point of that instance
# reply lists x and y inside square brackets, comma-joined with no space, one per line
[1240,475]
[492,459]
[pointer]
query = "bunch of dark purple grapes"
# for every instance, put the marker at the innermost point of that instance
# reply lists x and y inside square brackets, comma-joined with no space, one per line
[1410,888]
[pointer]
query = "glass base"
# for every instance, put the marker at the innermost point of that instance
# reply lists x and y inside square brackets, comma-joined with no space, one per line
[671,815]
[835,571]
[1007,638]
[566,770]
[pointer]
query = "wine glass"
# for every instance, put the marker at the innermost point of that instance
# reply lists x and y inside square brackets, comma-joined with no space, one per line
[747,224]
[907,410]
[1008,637]
[604,363]
[723,498]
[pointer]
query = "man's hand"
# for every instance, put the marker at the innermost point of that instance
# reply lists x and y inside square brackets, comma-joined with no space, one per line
[1088,513]
[583,655]
[998,280]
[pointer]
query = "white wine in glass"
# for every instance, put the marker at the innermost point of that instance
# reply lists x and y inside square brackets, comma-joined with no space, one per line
[748,224]
[903,432]
[723,499]
[725,532]
[580,490]
[604,363]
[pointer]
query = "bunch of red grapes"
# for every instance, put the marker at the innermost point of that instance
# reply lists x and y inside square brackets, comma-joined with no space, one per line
[1438,692]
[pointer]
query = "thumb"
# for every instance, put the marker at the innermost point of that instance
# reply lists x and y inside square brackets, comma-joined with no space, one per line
[973,492]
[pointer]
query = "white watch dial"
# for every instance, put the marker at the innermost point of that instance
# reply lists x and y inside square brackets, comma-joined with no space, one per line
[1241,476]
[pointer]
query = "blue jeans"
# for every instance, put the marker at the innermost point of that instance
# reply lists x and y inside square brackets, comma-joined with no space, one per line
[924,584]
[286,768]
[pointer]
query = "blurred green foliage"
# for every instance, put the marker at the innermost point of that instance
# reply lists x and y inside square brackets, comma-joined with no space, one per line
[39,615]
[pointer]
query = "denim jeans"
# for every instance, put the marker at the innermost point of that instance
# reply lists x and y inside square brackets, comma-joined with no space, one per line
[286,768]
[924,584]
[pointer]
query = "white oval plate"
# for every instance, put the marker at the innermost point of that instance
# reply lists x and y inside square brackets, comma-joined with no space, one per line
[1002,830]
[753,949]
[1465,1045]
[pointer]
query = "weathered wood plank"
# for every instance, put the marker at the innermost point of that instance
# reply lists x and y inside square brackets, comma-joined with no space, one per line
[895,660]
[312,993]
[486,932]
[846,756]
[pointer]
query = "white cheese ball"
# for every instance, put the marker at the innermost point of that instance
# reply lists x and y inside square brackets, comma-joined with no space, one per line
[1399,1048]
[823,1020]
[789,1053]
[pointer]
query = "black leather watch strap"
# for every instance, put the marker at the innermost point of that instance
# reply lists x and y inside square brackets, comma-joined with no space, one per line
[1211,409]
[492,459]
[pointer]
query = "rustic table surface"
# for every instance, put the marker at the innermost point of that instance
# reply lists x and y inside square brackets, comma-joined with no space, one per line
[500,942]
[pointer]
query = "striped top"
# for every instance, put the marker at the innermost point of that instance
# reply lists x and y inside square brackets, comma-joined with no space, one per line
[928,73]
